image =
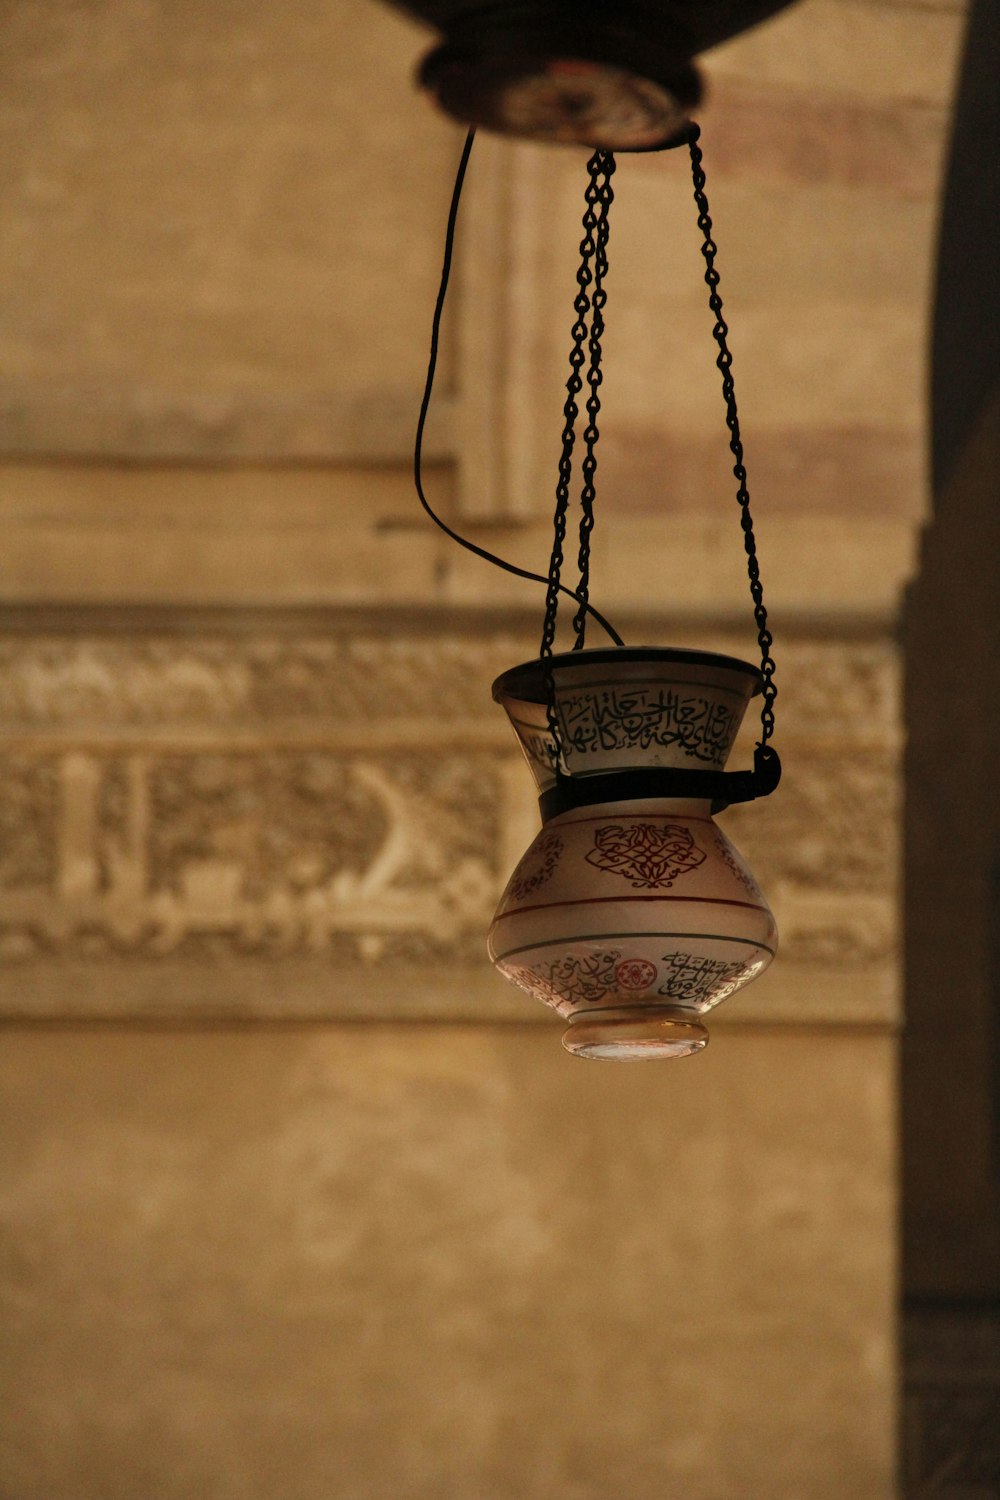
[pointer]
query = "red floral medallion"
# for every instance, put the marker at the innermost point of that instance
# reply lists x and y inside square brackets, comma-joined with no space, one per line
[635,974]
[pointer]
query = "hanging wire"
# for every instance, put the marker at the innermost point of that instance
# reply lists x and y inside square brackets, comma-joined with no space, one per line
[725,364]
[449,531]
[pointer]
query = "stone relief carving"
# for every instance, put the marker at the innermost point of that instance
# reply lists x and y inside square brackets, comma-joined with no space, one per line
[59,682]
[281,795]
[28,821]
[845,688]
[825,850]
[266,853]
[840,689]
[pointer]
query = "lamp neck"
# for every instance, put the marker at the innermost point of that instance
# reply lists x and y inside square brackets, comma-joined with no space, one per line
[717,789]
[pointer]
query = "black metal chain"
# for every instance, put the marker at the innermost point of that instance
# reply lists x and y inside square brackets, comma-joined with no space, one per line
[590,302]
[593,268]
[574,385]
[600,196]
[725,364]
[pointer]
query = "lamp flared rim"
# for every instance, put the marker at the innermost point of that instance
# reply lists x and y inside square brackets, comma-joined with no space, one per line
[526,682]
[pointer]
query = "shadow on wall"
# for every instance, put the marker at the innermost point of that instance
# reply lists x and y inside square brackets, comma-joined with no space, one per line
[951,1046]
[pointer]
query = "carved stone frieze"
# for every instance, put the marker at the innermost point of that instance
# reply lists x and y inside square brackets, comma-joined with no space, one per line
[825,849]
[837,689]
[356,798]
[29,814]
[847,689]
[233,679]
[248,853]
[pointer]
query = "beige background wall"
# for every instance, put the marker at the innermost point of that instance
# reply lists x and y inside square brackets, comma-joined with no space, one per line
[298,1198]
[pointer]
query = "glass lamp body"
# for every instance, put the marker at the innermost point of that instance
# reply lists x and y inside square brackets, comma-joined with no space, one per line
[633,916]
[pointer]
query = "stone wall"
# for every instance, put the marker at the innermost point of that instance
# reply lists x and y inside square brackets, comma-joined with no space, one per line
[299,1198]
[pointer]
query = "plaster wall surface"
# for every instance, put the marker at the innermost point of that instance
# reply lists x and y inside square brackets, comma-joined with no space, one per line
[435,1260]
[299,1198]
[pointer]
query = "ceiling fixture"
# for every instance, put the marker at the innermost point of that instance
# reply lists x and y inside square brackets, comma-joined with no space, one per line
[617,76]
[631,913]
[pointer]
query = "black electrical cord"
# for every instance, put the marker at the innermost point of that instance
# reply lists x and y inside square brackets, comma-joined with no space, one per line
[490,557]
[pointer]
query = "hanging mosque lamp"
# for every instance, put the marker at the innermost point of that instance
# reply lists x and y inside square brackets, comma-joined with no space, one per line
[631,913]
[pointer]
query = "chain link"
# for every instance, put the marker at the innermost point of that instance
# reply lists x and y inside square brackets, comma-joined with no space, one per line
[600,196]
[589,304]
[725,364]
[592,271]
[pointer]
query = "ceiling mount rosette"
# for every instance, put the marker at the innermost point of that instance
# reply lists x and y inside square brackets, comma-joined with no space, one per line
[616,76]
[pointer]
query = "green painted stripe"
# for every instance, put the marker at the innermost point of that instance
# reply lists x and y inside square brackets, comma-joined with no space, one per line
[613,937]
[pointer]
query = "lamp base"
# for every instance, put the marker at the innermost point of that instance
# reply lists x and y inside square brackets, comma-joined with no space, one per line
[634,1033]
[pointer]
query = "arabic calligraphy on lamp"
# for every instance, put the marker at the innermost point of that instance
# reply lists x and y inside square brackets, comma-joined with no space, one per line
[632,914]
